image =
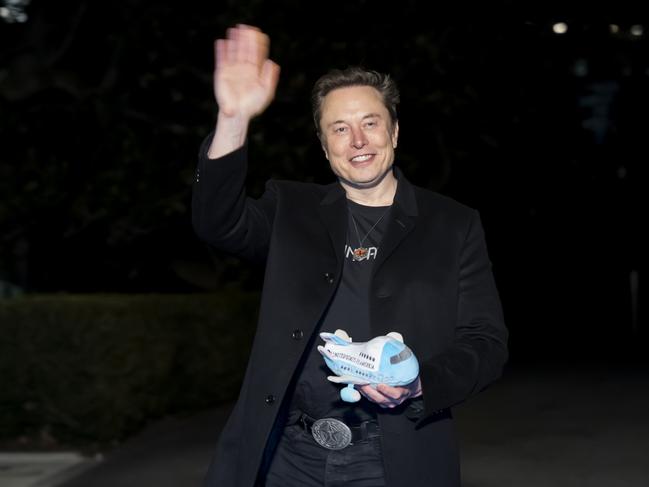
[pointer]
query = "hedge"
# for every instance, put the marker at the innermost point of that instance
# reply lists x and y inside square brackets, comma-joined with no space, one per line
[97,367]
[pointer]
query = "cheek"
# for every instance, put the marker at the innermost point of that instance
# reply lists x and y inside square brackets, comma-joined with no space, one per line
[336,149]
[381,139]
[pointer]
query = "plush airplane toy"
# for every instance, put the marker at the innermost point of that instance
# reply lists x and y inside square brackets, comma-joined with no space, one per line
[382,360]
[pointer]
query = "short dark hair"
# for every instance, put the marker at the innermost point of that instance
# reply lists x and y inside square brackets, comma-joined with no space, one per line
[354,76]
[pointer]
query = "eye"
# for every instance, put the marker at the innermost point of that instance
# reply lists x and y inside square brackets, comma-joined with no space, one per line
[340,130]
[371,124]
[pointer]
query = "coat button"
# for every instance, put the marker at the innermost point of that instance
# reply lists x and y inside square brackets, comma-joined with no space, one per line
[383,293]
[297,334]
[270,399]
[329,277]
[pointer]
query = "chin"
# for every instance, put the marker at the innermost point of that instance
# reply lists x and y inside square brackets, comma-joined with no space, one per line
[367,173]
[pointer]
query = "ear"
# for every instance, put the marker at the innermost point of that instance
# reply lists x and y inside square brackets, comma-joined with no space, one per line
[395,134]
[324,149]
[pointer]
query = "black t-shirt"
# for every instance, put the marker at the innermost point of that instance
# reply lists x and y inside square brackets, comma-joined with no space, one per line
[349,310]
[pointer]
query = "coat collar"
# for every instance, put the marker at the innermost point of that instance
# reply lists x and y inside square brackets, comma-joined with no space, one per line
[404,197]
[333,210]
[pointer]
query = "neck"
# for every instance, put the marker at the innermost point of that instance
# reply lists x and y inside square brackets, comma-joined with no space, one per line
[380,195]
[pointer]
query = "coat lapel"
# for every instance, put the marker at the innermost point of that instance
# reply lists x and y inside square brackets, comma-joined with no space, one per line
[402,219]
[333,211]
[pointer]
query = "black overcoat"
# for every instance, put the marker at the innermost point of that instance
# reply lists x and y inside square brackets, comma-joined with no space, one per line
[432,282]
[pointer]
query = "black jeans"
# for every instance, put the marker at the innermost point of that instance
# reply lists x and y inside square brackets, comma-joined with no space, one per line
[300,462]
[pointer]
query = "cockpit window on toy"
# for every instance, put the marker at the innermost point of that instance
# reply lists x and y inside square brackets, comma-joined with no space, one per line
[405,354]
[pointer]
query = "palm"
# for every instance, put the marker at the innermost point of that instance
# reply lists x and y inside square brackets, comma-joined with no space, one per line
[240,90]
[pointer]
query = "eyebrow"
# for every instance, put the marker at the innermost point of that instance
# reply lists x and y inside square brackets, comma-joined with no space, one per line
[369,115]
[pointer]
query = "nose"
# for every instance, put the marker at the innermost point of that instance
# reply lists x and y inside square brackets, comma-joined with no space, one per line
[358,139]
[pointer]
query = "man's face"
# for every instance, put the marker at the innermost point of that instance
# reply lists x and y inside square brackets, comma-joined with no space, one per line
[357,134]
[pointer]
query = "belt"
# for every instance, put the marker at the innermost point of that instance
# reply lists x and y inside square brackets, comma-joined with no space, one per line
[333,434]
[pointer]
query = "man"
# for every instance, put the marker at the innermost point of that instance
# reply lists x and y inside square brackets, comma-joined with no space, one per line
[370,254]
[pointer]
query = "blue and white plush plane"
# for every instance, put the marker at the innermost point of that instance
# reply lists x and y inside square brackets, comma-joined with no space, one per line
[381,360]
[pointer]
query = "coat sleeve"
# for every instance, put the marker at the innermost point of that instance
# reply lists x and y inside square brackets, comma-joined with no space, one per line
[479,350]
[222,214]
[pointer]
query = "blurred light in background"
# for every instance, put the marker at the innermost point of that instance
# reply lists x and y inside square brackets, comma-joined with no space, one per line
[560,28]
[637,30]
[13,10]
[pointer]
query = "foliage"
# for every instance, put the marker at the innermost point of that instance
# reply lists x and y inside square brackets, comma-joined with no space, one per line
[97,367]
[104,106]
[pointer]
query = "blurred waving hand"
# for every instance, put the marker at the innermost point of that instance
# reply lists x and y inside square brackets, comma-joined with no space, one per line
[245,79]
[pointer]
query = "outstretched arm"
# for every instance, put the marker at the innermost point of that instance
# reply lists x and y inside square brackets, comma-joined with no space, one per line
[245,81]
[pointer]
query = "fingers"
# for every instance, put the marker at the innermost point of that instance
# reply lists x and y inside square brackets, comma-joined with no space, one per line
[384,395]
[373,395]
[220,51]
[395,393]
[243,44]
[385,398]
[231,43]
[270,74]
[254,45]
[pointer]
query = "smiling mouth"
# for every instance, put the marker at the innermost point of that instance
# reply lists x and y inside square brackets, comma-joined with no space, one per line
[362,158]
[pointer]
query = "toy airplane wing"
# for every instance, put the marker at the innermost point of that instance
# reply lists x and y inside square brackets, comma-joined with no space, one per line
[347,379]
[340,337]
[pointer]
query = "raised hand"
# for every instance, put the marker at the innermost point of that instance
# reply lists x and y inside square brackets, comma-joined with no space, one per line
[244,78]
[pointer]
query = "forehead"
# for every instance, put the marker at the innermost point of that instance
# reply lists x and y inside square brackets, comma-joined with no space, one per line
[352,101]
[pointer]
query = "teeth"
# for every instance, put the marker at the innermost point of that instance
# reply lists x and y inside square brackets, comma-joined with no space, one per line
[361,158]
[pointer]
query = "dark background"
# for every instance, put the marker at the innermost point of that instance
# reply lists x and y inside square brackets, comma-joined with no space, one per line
[103,106]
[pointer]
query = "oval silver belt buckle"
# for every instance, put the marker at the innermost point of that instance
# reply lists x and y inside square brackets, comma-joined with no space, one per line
[331,433]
